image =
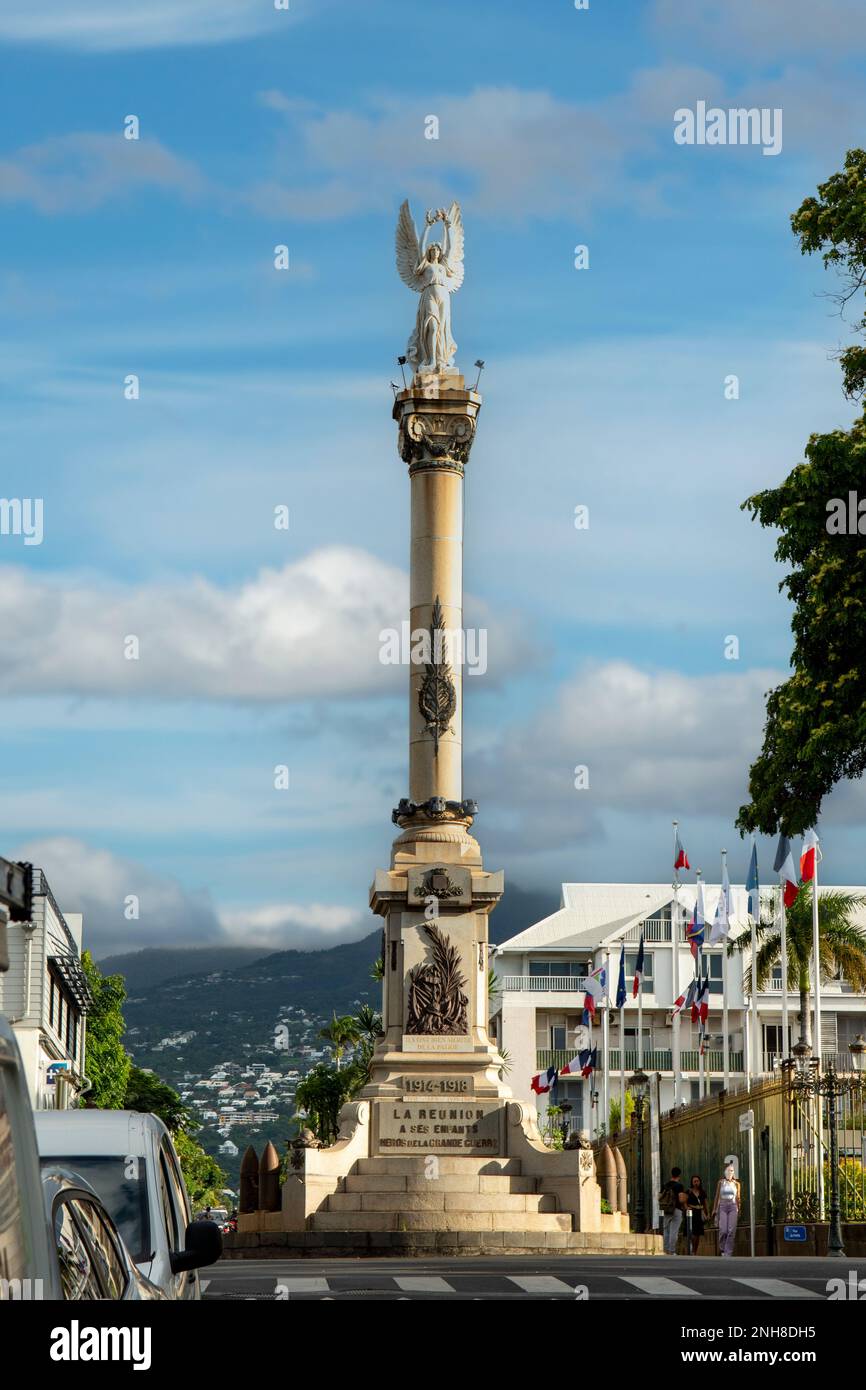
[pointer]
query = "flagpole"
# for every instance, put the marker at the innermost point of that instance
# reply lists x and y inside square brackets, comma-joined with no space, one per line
[675,970]
[817,1039]
[605,1030]
[783,935]
[640,1020]
[755,1066]
[698,979]
[726,1051]
[622,1058]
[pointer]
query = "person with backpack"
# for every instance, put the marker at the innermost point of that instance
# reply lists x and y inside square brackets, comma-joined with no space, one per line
[671,1201]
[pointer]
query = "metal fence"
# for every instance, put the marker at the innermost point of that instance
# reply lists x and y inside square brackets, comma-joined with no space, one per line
[792,1172]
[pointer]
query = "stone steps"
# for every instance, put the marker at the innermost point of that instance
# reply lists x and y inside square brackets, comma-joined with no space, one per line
[444,1182]
[433,1200]
[408,1166]
[414,1220]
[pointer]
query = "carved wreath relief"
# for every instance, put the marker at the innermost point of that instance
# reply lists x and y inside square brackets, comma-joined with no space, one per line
[437,698]
[437,1003]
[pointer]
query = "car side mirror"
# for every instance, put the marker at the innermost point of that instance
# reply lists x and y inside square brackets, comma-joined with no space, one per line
[203,1244]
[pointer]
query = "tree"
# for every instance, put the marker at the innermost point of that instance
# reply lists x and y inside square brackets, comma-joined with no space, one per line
[842,946]
[202,1174]
[835,223]
[615,1115]
[106,1062]
[341,1033]
[145,1092]
[322,1093]
[815,732]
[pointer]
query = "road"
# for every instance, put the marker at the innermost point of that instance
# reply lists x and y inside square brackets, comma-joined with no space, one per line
[595,1277]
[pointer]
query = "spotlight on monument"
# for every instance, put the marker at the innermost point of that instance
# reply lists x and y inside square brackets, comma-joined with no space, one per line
[402,363]
[480,365]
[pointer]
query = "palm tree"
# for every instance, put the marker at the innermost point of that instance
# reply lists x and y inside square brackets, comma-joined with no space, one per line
[842,946]
[341,1033]
[369,1023]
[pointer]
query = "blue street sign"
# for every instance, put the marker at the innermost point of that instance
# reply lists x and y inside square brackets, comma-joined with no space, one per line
[795,1232]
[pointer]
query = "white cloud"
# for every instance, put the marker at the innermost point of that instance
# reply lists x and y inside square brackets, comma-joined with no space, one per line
[84,169]
[98,883]
[525,153]
[656,744]
[756,29]
[285,926]
[110,25]
[309,630]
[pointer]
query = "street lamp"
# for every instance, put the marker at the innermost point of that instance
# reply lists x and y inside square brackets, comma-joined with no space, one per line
[808,1081]
[638,1083]
[857,1048]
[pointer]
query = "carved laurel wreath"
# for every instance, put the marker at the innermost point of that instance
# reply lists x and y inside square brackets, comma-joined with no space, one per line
[437,698]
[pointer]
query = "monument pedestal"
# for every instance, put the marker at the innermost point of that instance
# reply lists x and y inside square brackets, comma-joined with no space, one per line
[435,1142]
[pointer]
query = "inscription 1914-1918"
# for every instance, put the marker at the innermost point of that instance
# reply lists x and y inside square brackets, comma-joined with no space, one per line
[436,1085]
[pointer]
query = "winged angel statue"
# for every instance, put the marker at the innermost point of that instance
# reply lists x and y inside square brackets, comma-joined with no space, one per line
[434,271]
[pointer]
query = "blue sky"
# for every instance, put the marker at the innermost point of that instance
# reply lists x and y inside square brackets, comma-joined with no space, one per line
[603,387]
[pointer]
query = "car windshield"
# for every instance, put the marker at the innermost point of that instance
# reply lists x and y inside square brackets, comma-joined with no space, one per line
[124,1195]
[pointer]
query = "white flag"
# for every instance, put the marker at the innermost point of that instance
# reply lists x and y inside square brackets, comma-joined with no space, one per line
[722,920]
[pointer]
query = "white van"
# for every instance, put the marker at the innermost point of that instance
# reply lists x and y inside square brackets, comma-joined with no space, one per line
[130,1161]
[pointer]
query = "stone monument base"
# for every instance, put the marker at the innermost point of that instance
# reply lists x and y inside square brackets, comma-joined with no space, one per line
[472,1174]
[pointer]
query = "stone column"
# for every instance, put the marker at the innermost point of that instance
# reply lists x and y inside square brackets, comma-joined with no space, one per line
[436,895]
[436,416]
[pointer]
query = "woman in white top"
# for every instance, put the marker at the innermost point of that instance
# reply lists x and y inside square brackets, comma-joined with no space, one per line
[727,1205]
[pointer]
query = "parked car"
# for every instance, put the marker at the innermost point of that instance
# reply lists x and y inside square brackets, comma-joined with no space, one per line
[94,1263]
[130,1161]
[57,1240]
[26,1252]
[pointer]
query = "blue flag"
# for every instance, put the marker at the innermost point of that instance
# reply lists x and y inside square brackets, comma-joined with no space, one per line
[620,984]
[752,885]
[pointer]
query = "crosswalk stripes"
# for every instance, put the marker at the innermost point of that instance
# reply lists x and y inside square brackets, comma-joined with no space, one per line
[778,1288]
[418,1284]
[660,1286]
[311,1285]
[533,1286]
[540,1283]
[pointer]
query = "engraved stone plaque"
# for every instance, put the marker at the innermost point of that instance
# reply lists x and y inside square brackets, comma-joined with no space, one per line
[460,1127]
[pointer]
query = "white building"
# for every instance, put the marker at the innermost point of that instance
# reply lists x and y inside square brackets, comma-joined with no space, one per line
[45,996]
[537,1016]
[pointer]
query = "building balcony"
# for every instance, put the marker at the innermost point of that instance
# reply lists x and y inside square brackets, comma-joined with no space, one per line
[653,1059]
[545,984]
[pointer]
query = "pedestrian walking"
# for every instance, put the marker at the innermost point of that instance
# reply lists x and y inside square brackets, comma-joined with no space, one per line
[726,1206]
[671,1201]
[696,1212]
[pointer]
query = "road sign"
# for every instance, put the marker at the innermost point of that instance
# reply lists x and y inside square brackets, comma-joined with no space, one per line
[747,1121]
[795,1232]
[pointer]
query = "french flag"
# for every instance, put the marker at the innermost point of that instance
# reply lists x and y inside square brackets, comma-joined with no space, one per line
[685,1000]
[595,986]
[585,1062]
[681,859]
[810,856]
[783,864]
[701,1002]
[588,1060]
[542,1083]
[638,970]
